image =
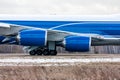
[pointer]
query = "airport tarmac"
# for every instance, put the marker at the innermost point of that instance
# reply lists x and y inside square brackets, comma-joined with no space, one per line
[59,60]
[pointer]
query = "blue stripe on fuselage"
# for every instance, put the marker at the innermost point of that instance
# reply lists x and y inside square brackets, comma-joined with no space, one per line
[96,27]
[103,28]
[38,24]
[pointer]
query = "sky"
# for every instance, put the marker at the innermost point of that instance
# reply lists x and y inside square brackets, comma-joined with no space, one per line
[60,7]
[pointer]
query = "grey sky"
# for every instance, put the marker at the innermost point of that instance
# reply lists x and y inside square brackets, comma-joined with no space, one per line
[60,7]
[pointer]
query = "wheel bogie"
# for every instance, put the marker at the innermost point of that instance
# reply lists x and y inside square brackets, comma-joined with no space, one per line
[45,52]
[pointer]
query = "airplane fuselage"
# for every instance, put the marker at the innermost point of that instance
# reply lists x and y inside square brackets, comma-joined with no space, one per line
[108,26]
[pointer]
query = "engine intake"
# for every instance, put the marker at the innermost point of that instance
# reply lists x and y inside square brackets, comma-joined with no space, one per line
[77,43]
[32,38]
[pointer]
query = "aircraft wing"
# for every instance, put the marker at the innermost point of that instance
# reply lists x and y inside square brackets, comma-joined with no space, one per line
[4,25]
[60,35]
[9,29]
[96,39]
[9,32]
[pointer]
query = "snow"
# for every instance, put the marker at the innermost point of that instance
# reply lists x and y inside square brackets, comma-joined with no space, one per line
[52,62]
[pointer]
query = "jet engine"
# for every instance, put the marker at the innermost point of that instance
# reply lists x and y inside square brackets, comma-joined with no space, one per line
[77,43]
[32,38]
[1,39]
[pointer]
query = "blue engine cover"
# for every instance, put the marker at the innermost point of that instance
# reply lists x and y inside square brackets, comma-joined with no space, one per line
[32,38]
[77,43]
[1,38]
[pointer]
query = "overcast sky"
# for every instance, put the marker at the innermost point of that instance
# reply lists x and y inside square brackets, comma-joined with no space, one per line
[60,7]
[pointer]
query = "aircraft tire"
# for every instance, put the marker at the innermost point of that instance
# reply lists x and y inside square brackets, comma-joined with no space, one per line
[39,52]
[53,52]
[32,53]
[46,52]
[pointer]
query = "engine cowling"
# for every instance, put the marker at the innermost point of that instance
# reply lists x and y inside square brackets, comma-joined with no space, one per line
[77,43]
[32,38]
[1,39]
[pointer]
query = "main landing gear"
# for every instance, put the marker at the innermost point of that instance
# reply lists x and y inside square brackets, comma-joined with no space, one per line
[49,50]
[45,52]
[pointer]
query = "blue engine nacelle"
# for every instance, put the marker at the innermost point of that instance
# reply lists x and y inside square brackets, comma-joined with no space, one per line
[32,38]
[1,38]
[77,43]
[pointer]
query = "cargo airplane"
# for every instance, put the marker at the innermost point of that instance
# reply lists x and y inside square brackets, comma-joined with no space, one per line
[40,35]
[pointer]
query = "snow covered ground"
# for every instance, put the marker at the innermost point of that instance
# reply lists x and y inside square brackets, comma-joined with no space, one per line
[54,60]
